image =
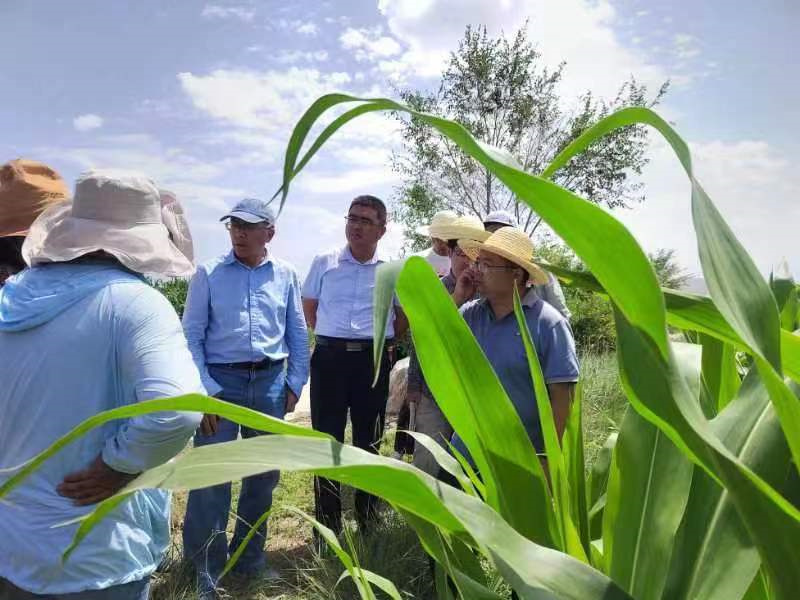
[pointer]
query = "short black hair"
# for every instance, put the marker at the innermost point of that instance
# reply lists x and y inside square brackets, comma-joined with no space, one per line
[452,244]
[371,202]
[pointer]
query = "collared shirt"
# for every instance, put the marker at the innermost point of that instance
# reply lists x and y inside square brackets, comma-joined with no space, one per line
[344,287]
[235,313]
[502,344]
[440,264]
[551,293]
[76,340]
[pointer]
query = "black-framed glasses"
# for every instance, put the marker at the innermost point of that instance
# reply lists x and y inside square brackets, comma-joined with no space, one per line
[354,220]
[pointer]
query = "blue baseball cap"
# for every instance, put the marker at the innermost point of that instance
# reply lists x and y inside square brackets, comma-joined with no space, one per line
[252,210]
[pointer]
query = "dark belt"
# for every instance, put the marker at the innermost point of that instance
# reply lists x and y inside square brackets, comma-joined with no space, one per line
[256,366]
[349,345]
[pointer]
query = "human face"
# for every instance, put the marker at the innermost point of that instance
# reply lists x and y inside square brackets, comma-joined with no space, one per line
[497,276]
[440,247]
[459,261]
[363,229]
[249,239]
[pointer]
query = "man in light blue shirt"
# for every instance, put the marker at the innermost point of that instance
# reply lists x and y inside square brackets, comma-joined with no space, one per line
[338,303]
[246,331]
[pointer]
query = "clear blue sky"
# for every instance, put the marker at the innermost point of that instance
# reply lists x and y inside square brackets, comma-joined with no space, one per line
[202,96]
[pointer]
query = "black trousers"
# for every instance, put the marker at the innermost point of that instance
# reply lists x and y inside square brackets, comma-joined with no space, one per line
[342,381]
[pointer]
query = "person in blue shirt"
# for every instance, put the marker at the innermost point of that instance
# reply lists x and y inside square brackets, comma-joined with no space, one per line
[504,262]
[82,332]
[338,304]
[245,327]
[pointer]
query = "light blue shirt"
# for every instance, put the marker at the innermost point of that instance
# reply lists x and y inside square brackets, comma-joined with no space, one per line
[344,288]
[76,340]
[502,344]
[235,314]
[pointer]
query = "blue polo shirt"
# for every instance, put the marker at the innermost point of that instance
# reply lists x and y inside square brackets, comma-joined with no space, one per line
[344,288]
[502,344]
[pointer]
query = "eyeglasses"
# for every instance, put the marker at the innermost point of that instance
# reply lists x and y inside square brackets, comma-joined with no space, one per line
[353,220]
[487,268]
[244,226]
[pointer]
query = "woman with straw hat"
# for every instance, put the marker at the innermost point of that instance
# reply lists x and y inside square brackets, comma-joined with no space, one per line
[27,188]
[428,417]
[504,263]
[81,332]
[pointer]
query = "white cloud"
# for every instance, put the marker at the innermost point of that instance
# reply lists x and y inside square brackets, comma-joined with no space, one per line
[685,46]
[215,11]
[579,32]
[346,181]
[307,28]
[369,44]
[750,182]
[288,57]
[87,122]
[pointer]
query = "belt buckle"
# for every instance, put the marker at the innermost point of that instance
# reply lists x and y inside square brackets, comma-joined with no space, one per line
[353,346]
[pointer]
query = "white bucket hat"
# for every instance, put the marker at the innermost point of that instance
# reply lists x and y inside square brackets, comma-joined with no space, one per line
[512,244]
[441,218]
[123,214]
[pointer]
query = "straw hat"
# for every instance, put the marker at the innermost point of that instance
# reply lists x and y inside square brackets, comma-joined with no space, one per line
[27,188]
[468,227]
[120,214]
[441,218]
[512,244]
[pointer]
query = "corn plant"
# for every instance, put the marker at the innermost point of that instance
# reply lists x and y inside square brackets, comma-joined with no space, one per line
[695,497]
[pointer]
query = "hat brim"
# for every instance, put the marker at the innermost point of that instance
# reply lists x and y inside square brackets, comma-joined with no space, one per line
[246,216]
[451,232]
[472,248]
[57,236]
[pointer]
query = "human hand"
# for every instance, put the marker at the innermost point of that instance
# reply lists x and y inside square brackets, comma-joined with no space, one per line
[466,286]
[291,401]
[208,426]
[93,484]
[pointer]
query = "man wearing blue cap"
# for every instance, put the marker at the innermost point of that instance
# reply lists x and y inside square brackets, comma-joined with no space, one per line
[246,330]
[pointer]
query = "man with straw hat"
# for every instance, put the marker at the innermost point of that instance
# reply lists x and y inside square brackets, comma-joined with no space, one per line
[27,188]
[504,263]
[246,330]
[550,291]
[438,255]
[82,332]
[428,417]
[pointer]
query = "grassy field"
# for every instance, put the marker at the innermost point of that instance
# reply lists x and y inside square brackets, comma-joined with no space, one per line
[392,550]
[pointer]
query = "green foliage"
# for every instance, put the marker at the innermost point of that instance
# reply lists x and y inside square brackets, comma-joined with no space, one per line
[670,463]
[174,290]
[500,91]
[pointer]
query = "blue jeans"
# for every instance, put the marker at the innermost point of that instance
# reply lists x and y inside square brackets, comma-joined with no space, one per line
[135,590]
[204,540]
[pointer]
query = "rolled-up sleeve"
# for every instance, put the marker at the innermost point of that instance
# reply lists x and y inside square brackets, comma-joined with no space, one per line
[152,354]
[557,355]
[296,339]
[195,325]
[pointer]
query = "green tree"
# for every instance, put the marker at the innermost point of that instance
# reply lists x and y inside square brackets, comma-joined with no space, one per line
[174,290]
[499,89]
[669,272]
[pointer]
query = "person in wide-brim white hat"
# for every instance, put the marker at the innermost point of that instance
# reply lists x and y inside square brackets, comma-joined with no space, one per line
[467,227]
[437,254]
[124,215]
[512,244]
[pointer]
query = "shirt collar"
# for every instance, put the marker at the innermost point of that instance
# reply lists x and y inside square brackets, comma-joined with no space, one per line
[346,256]
[230,259]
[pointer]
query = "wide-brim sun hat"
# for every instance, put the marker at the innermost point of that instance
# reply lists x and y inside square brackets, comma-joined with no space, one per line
[512,244]
[27,189]
[118,213]
[468,227]
[440,219]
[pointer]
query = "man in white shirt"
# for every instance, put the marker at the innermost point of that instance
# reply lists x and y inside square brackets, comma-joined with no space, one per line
[438,255]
